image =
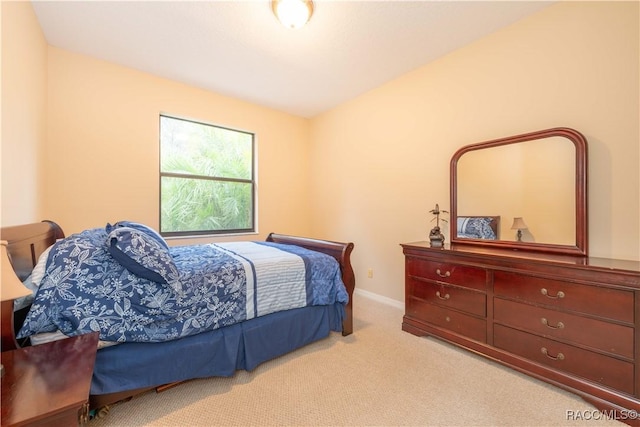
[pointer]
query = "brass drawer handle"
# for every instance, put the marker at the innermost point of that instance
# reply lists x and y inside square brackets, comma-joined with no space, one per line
[559,295]
[445,297]
[446,274]
[544,351]
[545,322]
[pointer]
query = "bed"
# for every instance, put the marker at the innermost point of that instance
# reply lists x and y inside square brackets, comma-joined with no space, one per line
[135,358]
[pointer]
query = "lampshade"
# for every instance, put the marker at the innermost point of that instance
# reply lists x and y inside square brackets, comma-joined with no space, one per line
[292,13]
[11,287]
[518,224]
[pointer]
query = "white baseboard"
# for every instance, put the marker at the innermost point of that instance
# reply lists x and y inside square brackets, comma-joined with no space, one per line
[380,298]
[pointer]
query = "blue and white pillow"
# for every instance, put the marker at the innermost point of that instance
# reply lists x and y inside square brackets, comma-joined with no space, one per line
[143,256]
[140,227]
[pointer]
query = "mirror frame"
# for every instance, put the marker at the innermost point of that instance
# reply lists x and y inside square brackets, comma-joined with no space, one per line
[581,246]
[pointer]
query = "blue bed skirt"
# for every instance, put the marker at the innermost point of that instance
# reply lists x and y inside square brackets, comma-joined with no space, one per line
[215,353]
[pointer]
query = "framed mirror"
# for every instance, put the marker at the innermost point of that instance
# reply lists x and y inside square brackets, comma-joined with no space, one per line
[525,192]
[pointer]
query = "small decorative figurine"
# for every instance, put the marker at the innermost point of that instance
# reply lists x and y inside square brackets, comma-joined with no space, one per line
[436,238]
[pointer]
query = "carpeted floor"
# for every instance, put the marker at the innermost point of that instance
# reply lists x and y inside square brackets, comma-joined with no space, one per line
[380,375]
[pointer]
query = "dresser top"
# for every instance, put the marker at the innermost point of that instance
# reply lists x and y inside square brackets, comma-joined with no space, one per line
[567,260]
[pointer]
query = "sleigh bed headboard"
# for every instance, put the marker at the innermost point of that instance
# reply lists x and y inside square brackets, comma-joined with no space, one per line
[27,242]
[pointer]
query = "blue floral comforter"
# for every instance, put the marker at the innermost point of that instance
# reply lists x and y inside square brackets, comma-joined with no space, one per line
[85,289]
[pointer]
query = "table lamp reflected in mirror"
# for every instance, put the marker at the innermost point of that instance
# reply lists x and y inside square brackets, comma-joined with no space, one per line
[519,224]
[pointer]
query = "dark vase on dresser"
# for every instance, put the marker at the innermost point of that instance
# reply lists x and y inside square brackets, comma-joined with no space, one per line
[545,309]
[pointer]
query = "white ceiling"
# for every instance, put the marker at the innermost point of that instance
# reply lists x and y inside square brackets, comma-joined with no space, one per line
[238,48]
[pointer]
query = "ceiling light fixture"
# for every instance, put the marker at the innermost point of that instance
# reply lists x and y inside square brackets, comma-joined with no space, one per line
[292,13]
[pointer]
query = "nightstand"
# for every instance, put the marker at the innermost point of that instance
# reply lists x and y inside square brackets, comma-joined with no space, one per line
[48,384]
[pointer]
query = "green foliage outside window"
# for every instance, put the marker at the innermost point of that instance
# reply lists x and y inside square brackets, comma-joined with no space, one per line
[206,178]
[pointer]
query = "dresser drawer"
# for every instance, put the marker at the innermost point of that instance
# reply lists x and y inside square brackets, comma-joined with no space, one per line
[461,275]
[462,324]
[609,303]
[596,334]
[470,301]
[563,357]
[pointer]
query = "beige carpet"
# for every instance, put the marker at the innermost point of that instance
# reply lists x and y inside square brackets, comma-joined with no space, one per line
[377,376]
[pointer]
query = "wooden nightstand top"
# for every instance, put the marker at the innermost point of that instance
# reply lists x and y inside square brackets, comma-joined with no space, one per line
[48,383]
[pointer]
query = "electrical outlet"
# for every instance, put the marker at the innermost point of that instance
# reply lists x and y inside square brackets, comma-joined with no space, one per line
[370,273]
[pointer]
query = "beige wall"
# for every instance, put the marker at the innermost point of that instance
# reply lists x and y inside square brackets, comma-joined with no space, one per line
[573,64]
[24,82]
[103,145]
[367,171]
[100,123]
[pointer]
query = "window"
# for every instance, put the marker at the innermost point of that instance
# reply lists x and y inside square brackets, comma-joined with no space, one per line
[207,179]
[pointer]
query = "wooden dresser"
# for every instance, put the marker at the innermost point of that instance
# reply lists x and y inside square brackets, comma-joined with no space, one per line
[570,321]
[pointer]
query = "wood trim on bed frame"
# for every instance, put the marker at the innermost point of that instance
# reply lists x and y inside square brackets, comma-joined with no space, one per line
[27,242]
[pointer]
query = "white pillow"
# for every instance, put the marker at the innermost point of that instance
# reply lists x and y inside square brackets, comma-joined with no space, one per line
[38,271]
[22,302]
[33,281]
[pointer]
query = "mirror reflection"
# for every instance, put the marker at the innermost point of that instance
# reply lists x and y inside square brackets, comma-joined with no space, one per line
[522,192]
